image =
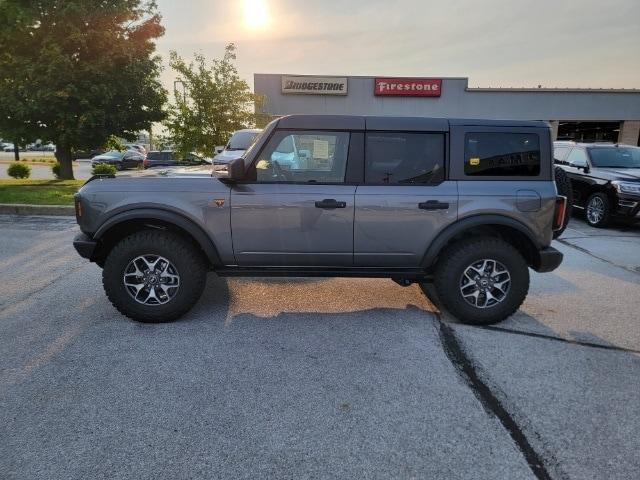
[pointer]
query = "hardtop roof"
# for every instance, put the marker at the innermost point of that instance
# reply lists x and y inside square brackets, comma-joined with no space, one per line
[365,122]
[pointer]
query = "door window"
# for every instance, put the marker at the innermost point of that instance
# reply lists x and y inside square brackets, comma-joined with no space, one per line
[307,157]
[502,154]
[404,158]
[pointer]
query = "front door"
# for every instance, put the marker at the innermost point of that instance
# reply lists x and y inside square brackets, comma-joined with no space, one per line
[405,200]
[295,209]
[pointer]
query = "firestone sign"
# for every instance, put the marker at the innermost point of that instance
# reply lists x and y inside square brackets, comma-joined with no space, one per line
[408,87]
[314,85]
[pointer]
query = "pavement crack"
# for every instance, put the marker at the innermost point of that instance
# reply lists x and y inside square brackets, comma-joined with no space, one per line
[584,250]
[558,339]
[467,371]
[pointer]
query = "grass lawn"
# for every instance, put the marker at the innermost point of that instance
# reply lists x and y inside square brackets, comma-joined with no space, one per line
[39,192]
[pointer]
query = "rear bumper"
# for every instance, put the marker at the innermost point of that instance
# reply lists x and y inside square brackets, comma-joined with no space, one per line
[548,260]
[84,245]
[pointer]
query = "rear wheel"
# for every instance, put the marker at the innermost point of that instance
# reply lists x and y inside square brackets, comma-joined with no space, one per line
[481,281]
[154,276]
[597,210]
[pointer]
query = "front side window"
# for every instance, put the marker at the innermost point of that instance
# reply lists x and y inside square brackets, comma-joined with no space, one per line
[307,157]
[404,158]
[577,158]
[502,154]
[615,157]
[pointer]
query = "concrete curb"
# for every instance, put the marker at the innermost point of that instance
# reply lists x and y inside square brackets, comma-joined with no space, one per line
[24,209]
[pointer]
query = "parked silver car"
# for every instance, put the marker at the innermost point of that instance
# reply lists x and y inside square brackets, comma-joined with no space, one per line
[238,143]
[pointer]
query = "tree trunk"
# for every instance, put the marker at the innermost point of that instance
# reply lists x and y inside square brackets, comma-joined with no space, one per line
[63,155]
[16,152]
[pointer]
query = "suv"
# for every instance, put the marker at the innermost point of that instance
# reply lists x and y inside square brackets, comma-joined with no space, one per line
[468,205]
[605,179]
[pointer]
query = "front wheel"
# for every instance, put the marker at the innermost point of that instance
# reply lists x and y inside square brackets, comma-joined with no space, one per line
[482,281]
[598,210]
[154,276]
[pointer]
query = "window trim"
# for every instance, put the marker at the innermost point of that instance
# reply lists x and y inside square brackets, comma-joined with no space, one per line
[445,165]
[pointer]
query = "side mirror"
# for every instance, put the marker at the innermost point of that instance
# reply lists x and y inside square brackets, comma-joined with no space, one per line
[218,149]
[235,171]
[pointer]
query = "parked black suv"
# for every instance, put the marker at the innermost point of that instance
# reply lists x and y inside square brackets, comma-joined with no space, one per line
[605,179]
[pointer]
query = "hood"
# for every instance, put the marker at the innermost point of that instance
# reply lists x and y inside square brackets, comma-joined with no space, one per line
[228,155]
[621,173]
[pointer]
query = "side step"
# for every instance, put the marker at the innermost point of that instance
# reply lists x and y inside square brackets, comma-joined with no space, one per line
[402,276]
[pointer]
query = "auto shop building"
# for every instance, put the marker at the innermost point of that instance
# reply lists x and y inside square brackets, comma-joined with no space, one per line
[607,115]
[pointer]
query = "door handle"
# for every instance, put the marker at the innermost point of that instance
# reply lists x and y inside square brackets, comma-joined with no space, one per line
[433,205]
[330,203]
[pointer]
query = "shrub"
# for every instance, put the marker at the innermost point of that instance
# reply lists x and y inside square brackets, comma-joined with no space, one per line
[55,168]
[19,170]
[103,169]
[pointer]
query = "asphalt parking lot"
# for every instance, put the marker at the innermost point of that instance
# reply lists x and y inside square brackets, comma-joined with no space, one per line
[317,378]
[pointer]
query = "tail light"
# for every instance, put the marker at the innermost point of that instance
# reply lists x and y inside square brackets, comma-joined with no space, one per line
[146,163]
[78,205]
[560,212]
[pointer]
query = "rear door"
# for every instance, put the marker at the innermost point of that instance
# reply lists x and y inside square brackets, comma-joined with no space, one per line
[405,199]
[296,208]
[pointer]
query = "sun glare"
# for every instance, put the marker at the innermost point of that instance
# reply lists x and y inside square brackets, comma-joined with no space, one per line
[255,14]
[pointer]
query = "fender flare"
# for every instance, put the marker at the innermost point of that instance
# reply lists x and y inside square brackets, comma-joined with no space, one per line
[476,221]
[180,221]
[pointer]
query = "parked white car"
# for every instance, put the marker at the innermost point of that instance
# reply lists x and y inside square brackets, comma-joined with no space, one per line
[237,145]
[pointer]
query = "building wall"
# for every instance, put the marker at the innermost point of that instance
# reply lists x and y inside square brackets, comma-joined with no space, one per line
[457,100]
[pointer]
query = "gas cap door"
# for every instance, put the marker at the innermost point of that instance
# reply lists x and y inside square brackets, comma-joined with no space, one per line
[528,200]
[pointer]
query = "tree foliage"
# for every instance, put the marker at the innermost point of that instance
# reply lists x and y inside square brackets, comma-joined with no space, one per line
[76,71]
[211,101]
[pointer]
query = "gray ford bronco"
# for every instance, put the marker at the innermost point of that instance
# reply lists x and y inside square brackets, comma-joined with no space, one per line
[463,207]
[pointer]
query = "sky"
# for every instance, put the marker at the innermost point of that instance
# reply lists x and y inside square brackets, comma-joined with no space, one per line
[495,43]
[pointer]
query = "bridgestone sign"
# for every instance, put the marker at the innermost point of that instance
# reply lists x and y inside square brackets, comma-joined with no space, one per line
[314,85]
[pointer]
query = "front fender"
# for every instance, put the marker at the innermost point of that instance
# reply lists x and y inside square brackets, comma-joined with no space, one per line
[167,216]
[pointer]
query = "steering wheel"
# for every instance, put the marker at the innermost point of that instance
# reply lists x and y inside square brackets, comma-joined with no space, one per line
[278,171]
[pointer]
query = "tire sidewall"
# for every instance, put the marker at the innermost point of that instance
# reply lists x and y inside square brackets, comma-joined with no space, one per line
[113,273]
[449,284]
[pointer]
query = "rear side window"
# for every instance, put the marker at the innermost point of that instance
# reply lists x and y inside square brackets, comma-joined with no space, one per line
[154,156]
[502,154]
[404,158]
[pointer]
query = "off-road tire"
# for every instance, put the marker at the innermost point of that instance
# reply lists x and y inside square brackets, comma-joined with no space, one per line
[454,261]
[185,256]
[606,217]
[563,185]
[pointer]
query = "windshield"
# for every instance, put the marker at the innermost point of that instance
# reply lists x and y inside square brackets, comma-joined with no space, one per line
[615,157]
[241,140]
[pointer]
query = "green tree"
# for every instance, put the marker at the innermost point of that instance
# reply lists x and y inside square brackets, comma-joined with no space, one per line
[210,103]
[75,72]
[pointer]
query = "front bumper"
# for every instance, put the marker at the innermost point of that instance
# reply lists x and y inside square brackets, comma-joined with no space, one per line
[84,245]
[548,260]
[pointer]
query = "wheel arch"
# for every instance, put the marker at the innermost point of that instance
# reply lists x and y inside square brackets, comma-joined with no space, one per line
[130,221]
[511,230]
